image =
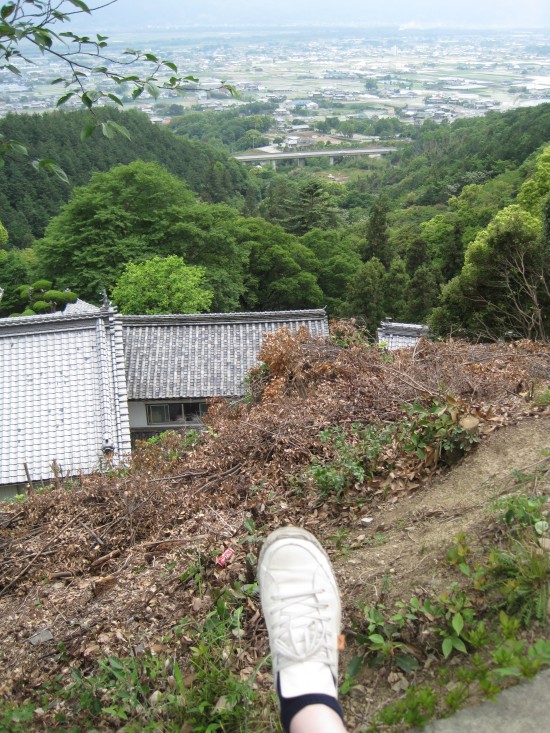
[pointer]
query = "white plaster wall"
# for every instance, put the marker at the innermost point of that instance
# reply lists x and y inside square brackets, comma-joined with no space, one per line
[137,415]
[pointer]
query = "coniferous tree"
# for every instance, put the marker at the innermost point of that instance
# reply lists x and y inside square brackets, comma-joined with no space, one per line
[376,242]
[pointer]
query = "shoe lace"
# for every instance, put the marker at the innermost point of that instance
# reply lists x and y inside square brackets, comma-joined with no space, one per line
[302,630]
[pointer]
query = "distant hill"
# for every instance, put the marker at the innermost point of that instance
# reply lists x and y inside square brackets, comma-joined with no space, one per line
[444,158]
[28,199]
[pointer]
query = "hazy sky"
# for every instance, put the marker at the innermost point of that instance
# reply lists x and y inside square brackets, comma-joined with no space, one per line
[477,13]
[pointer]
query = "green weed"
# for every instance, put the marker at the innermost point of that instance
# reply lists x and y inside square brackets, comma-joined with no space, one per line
[434,432]
[518,511]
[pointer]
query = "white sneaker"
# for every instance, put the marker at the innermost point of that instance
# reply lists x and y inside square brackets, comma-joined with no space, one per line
[301,606]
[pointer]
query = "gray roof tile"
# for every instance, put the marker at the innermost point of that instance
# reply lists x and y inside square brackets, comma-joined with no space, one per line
[53,368]
[207,355]
[400,335]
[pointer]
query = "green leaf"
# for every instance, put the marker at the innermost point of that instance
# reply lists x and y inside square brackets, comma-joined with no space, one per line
[13,69]
[179,679]
[7,10]
[115,99]
[50,166]
[458,623]
[447,646]
[541,527]
[88,130]
[459,644]
[64,99]
[81,5]
[17,148]
[171,65]
[137,92]
[354,666]
[42,38]
[116,129]
[115,663]
[151,57]
[107,130]
[500,672]
[377,638]
[406,662]
[231,89]
[152,89]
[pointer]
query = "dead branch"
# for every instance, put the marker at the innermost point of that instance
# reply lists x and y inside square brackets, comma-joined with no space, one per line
[38,554]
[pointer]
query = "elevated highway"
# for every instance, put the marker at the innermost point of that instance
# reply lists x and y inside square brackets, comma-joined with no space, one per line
[300,156]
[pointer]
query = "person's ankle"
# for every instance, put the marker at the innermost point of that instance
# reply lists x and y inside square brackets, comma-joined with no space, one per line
[305,678]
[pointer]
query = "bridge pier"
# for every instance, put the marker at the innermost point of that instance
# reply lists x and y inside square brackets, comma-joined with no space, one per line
[300,162]
[274,164]
[331,160]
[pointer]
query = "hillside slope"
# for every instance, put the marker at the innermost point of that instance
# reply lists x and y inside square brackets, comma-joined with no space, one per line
[29,199]
[116,612]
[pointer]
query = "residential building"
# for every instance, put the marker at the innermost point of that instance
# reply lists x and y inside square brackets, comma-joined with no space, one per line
[77,386]
[395,335]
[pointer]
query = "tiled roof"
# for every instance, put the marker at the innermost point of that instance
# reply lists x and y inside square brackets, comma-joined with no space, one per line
[62,393]
[209,355]
[400,335]
[80,307]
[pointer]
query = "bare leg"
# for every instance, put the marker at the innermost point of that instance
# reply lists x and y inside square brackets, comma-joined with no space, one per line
[317,719]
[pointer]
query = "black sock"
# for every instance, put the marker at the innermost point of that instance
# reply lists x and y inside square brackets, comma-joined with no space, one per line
[290,706]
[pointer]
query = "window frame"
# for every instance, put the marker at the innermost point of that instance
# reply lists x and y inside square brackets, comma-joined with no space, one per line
[188,409]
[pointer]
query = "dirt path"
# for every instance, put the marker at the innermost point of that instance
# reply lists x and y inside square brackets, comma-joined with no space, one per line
[407,538]
[402,552]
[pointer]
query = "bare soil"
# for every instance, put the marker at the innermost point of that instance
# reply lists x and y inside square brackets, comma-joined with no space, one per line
[402,552]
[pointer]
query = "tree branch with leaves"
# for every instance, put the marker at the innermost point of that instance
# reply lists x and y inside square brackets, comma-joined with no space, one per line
[91,70]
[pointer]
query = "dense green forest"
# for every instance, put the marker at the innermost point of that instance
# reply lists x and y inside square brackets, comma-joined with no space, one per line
[236,129]
[28,199]
[453,229]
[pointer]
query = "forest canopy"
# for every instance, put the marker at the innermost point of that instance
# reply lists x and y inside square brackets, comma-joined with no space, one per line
[441,232]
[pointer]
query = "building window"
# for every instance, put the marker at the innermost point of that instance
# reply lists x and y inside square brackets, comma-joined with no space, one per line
[175,412]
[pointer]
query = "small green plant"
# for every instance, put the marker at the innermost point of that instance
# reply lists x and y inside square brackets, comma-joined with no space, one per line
[16,718]
[458,553]
[169,446]
[218,699]
[195,571]
[382,638]
[341,540]
[521,578]
[354,455]
[518,511]
[415,709]
[455,613]
[432,432]
[542,398]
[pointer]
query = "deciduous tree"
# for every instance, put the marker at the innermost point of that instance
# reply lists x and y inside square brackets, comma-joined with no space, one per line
[162,285]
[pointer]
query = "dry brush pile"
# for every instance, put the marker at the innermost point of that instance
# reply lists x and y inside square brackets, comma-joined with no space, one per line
[101,562]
